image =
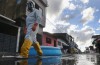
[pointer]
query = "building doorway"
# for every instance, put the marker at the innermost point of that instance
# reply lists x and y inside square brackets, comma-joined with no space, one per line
[55,45]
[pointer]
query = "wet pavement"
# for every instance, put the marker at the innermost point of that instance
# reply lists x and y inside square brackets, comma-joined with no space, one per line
[70,59]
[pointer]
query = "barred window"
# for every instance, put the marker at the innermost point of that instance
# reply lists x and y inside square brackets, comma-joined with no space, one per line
[48,40]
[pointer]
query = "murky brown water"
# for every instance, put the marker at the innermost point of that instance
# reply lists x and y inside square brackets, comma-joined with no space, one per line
[78,59]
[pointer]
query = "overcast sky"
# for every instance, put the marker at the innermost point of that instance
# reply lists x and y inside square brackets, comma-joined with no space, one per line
[79,18]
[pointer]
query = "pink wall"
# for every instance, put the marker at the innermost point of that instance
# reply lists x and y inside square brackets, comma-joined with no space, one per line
[44,40]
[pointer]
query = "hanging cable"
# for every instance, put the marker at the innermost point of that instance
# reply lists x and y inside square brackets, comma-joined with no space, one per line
[54,25]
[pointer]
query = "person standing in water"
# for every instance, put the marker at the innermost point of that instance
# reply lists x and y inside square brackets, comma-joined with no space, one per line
[33,20]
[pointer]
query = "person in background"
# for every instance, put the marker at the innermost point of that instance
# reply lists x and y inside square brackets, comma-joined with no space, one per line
[33,20]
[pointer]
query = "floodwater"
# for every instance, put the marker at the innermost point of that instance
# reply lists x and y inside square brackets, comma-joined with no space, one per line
[76,59]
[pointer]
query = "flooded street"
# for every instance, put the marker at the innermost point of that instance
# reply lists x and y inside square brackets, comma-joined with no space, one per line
[77,59]
[82,59]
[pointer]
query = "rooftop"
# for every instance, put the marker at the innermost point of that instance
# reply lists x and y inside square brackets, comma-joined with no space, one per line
[96,36]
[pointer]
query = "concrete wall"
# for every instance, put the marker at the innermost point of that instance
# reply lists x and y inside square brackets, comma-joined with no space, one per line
[12,9]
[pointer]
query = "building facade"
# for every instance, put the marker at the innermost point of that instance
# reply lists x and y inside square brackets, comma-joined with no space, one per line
[96,43]
[49,40]
[63,40]
[54,39]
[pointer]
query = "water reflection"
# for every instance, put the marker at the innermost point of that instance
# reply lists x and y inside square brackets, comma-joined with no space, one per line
[98,60]
[25,62]
[88,59]
[37,61]
[83,59]
[69,60]
[45,61]
[92,58]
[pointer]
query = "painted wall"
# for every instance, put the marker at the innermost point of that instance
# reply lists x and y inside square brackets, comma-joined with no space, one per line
[44,43]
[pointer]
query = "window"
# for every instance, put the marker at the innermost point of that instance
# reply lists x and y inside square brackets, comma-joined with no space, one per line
[48,40]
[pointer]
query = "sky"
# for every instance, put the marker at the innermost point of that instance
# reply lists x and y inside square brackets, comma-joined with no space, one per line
[78,18]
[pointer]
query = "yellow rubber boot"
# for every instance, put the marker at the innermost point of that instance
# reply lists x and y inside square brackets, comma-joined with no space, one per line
[25,48]
[38,49]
